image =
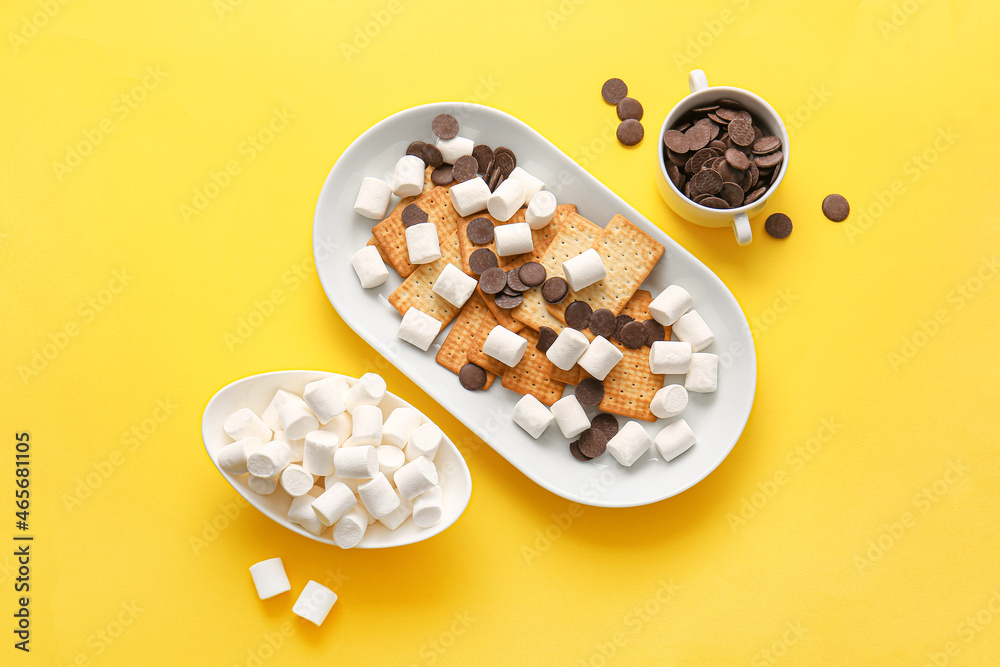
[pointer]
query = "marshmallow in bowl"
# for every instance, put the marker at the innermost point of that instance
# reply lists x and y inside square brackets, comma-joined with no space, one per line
[570,416]
[378,496]
[314,602]
[541,209]
[418,328]
[670,357]
[670,304]
[318,451]
[367,425]
[505,200]
[600,357]
[356,462]
[669,401]
[470,196]
[424,441]
[567,349]
[408,177]
[296,418]
[674,440]
[505,346]
[350,530]
[584,270]
[390,459]
[703,376]
[454,285]
[262,486]
[532,416]
[513,239]
[530,183]
[629,443]
[373,198]
[369,389]
[369,266]
[301,512]
[233,457]
[416,477]
[270,414]
[427,508]
[269,578]
[422,245]
[296,480]
[270,459]
[454,148]
[691,328]
[395,518]
[325,397]
[397,428]
[245,424]
[332,504]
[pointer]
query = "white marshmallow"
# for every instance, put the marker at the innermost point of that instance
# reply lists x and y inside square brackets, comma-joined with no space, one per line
[584,270]
[314,603]
[408,177]
[297,446]
[373,198]
[301,512]
[532,415]
[398,427]
[245,424]
[505,200]
[418,328]
[505,346]
[424,441]
[513,239]
[454,148]
[335,502]
[570,416]
[427,508]
[367,425]
[352,484]
[342,425]
[629,443]
[541,209]
[600,357]
[270,414]
[669,401]
[233,457]
[296,419]
[670,357]
[319,448]
[422,245]
[356,462]
[262,486]
[350,530]
[691,328]
[269,578]
[270,459]
[454,285]
[395,518]
[670,304]
[296,480]
[325,397]
[390,459]
[674,440]
[703,376]
[369,266]
[378,496]
[531,184]
[567,349]
[470,196]
[369,389]
[416,477]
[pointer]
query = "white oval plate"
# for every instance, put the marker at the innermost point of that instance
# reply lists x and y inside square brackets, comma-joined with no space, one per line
[255,392]
[717,419]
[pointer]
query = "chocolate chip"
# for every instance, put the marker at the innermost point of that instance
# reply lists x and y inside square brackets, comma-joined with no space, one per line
[741,132]
[445,126]
[727,114]
[574,449]
[620,322]
[555,290]
[593,441]
[732,193]
[508,290]
[416,149]
[492,280]
[443,175]
[754,196]
[605,422]
[484,157]
[698,160]
[679,159]
[614,91]
[413,215]
[472,377]
[714,202]
[654,332]
[769,160]
[465,168]
[503,150]
[505,300]
[676,141]
[532,274]
[602,323]
[495,178]
[432,156]
[514,282]
[707,181]
[630,132]
[633,335]
[578,315]
[546,336]
[698,137]
[751,177]
[503,163]
[482,259]
[629,107]
[737,159]
[836,208]
[589,391]
[767,144]
[729,175]
[778,225]
[479,230]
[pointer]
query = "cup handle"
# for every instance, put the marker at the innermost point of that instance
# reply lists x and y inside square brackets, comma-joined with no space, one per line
[741,227]
[697,80]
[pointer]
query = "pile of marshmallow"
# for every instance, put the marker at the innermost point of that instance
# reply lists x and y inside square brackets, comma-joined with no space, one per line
[369,467]
[314,602]
[672,307]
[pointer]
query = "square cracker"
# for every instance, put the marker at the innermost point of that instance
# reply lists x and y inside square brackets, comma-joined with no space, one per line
[403,203]
[533,374]
[453,353]
[416,291]
[475,352]
[539,237]
[630,385]
[391,233]
[629,254]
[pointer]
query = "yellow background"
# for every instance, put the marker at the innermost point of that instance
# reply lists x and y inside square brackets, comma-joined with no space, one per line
[865,551]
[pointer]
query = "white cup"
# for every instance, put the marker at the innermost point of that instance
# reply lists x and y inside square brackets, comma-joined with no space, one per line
[703,95]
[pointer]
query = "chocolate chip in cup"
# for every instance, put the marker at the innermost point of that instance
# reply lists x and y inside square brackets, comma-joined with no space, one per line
[836,208]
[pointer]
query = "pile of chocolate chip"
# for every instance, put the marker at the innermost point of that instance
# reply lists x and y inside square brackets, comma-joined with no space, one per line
[630,131]
[494,165]
[718,156]
[506,287]
[628,331]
